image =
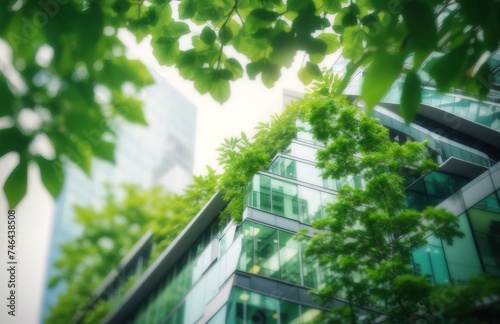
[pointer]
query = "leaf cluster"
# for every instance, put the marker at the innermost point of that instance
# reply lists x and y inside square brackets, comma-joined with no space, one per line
[389,39]
[67,70]
[242,157]
[369,234]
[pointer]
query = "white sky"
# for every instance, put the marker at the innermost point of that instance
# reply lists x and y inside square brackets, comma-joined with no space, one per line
[251,102]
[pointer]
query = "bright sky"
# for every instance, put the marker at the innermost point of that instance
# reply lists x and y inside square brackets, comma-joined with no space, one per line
[251,102]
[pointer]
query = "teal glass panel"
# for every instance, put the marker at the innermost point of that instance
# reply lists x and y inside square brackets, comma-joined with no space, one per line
[284,200]
[330,184]
[313,274]
[284,167]
[438,261]
[422,263]
[248,307]
[261,194]
[309,204]
[485,221]
[462,257]
[326,200]
[289,257]
[259,253]
[288,312]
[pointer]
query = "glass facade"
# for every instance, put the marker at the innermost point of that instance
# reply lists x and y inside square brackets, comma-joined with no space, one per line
[161,153]
[168,299]
[263,249]
[250,307]
[482,112]
[274,253]
[442,146]
[476,252]
[432,189]
[287,199]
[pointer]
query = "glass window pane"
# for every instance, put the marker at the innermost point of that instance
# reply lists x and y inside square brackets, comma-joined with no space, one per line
[284,199]
[463,260]
[309,204]
[485,220]
[259,253]
[289,258]
[309,173]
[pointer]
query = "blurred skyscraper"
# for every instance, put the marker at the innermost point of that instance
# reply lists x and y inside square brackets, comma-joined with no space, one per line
[160,153]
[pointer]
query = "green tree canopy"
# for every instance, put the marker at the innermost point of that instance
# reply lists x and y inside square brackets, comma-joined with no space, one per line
[64,65]
[387,38]
[72,68]
[369,234]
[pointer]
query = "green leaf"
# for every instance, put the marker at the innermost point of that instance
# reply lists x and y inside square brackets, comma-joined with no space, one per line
[51,174]
[121,6]
[203,80]
[421,25]
[264,15]
[208,35]
[187,9]
[176,29]
[166,50]
[16,184]
[7,97]
[129,108]
[410,97]
[13,141]
[304,76]
[448,69]
[220,90]
[105,150]
[284,49]
[186,63]
[296,5]
[331,41]
[332,6]
[225,35]
[270,74]
[235,67]
[206,10]
[254,68]
[310,72]
[380,76]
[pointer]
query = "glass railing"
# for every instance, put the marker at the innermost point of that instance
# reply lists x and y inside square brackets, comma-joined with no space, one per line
[481,112]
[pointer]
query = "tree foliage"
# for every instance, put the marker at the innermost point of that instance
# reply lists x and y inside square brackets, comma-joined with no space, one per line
[87,259]
[85,262]
[66,55]
[369,234]
[66,69]
[242,157]
[387,38]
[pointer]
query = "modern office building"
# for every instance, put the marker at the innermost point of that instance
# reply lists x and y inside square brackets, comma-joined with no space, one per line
[255,272]
[160,153]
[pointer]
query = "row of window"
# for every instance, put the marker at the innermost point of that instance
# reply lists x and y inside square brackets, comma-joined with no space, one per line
[287,199]
[249,307]
[276,254]
[308,173]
